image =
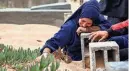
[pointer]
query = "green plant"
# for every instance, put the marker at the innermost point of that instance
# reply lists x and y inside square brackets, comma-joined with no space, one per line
[12,56]
[17,59]
[46,64]
[2,69]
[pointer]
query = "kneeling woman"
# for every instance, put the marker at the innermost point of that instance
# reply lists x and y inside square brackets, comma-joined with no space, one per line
[88,15]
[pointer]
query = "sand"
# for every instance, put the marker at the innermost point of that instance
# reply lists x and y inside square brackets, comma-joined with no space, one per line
[28,35]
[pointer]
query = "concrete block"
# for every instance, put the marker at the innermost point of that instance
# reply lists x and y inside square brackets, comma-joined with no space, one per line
[106,49]
[84,48]
[53,6]
[98,51]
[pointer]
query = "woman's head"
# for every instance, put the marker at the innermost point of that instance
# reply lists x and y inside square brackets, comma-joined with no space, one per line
[85,22]
[90,12]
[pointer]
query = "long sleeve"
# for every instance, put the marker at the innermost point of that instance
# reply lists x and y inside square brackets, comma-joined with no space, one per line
[61,38]
[118,29]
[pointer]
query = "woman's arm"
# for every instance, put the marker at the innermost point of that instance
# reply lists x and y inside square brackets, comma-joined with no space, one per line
[118,29]
[60,39]
[115,30]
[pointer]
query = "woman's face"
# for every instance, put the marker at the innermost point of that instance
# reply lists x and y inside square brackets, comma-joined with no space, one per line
[85,22]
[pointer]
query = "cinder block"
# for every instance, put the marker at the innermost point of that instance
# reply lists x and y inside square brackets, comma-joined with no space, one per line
[106,48]
[98,51]
[84,48]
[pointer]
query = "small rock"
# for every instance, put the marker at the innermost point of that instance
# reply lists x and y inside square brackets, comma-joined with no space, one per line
[100,69]
[39,40]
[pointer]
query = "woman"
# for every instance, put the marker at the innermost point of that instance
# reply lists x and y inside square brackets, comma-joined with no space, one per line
[88,15]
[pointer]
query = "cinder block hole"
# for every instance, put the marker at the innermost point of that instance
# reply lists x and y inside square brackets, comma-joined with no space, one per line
[111,55]
[86,52]
[99,56]
[86,41]
[86,49]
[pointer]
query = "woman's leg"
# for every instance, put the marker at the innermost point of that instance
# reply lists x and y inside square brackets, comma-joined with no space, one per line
[122,41]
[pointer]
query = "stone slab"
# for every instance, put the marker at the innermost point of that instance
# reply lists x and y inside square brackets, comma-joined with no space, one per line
[26,16]
[61,5]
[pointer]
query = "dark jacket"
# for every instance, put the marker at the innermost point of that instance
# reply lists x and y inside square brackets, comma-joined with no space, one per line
[114,8]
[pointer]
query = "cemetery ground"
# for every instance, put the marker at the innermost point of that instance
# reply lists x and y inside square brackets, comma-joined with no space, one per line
[30,37]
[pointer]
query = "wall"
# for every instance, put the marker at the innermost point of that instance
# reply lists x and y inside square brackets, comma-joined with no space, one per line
[51,18]
[24,3]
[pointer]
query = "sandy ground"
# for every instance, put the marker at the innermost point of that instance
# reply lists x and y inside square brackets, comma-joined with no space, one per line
[32,36]
[28,35]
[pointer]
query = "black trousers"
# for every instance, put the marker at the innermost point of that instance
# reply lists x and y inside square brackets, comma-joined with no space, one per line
[124,54]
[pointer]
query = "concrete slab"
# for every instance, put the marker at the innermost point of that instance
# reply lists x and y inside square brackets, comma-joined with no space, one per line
[117,66]
[29,10]
[61,5]
[25,16]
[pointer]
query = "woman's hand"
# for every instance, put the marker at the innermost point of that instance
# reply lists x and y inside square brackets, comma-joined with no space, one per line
[80,30]
[98,36]
[38,59]
[44,53]
[87,29]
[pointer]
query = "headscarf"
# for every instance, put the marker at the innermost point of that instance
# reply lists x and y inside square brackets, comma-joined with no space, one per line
[90,10]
